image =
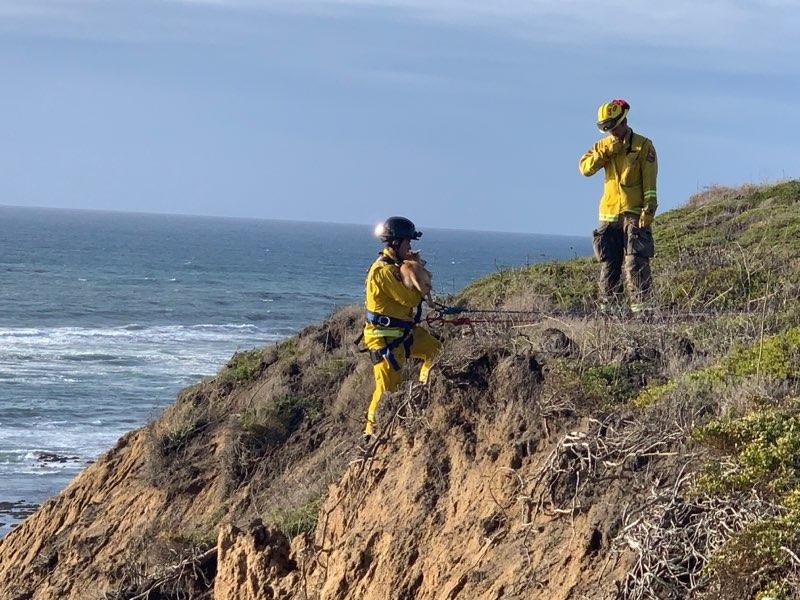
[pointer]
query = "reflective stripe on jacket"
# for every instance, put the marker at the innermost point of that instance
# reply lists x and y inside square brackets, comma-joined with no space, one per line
[630,175]
[386,295]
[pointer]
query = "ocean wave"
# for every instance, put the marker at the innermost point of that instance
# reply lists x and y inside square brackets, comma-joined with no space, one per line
[43,357]
[43,471]
[91,357]
[270,296]
[74,391]
[130,330]
[70,443]
[254,316]
[13,456]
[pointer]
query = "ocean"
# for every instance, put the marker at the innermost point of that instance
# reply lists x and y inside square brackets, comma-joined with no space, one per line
[105,316]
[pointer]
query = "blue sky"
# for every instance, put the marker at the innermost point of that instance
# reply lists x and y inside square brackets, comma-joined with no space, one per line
[456,113]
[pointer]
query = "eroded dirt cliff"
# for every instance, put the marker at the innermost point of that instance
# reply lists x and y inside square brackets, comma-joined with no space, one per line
[468,492]
[570,455]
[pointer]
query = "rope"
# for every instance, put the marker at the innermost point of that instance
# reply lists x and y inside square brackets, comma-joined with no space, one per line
[459,315]
[457,310]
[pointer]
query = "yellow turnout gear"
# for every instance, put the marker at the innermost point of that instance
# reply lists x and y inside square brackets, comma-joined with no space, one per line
[630,175]
[424,347]
[387,296]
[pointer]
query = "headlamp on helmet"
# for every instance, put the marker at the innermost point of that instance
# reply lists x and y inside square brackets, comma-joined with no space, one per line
[611,114]
[397,228]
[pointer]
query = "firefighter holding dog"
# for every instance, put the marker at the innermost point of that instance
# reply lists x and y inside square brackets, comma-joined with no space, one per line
[623,241]
[391,331]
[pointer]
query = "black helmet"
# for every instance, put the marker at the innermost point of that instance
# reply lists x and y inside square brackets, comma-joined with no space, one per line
[397,228]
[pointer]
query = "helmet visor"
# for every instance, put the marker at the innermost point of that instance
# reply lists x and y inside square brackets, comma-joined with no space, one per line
[608,124]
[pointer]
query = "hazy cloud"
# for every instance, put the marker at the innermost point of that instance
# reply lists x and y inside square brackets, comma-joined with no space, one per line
[755,25]
[762,23]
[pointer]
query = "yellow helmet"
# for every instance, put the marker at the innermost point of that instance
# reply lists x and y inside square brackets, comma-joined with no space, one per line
[611,114]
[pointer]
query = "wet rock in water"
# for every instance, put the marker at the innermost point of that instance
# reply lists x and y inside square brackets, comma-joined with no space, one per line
[52,457]
[18,509]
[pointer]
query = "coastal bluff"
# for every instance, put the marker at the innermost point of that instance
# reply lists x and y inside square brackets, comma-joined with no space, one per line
[556,453]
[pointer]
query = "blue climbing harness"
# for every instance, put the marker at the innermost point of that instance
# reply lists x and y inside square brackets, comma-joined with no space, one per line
[405,340]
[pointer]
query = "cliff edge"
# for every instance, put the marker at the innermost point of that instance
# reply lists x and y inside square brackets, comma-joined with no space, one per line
[560,454]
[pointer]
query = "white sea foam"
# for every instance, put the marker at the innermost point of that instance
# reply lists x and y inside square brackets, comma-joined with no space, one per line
[73,391]
[62,350]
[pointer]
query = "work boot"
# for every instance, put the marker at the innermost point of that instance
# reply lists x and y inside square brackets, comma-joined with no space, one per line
[369,426]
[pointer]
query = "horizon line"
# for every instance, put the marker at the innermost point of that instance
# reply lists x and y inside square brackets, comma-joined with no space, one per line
[282,220]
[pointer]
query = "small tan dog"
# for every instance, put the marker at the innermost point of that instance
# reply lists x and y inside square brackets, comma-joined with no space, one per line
[416,276]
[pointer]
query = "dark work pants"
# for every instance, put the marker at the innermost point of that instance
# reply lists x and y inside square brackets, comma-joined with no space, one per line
[622,245]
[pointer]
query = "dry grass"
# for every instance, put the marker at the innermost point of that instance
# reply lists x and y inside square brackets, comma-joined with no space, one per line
[714,194]
[614,401]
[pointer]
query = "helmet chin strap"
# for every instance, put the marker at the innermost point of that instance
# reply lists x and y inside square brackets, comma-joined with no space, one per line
[624,134]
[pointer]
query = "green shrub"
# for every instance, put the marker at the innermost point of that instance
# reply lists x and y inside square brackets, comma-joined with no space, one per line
[175,437]
[264,426]
[758,548]
[774,591]
[243,367]
[759,453]
[287,349]
[765,446]
[297,520]
[607,385]
[653,394]
[614,383]
[335,367]
[567,284]
[275,422]
[775,357]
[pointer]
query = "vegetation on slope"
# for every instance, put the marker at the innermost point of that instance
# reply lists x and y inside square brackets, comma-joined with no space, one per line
[725,249]
[727,275]
[670,443]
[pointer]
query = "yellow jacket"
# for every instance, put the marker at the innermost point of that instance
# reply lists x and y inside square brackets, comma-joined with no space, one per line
[631,168]
[386,295]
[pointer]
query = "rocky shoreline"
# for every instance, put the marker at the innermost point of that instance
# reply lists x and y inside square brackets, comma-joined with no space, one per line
[17,511]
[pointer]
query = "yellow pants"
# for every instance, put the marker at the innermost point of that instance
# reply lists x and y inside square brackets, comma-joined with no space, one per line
[424,347]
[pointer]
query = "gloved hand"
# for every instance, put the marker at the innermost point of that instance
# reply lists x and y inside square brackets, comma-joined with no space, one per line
[617,146]
[645,219]
[609,148]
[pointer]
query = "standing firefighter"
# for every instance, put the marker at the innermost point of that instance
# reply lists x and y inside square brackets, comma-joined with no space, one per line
[626,208]
[391,332]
